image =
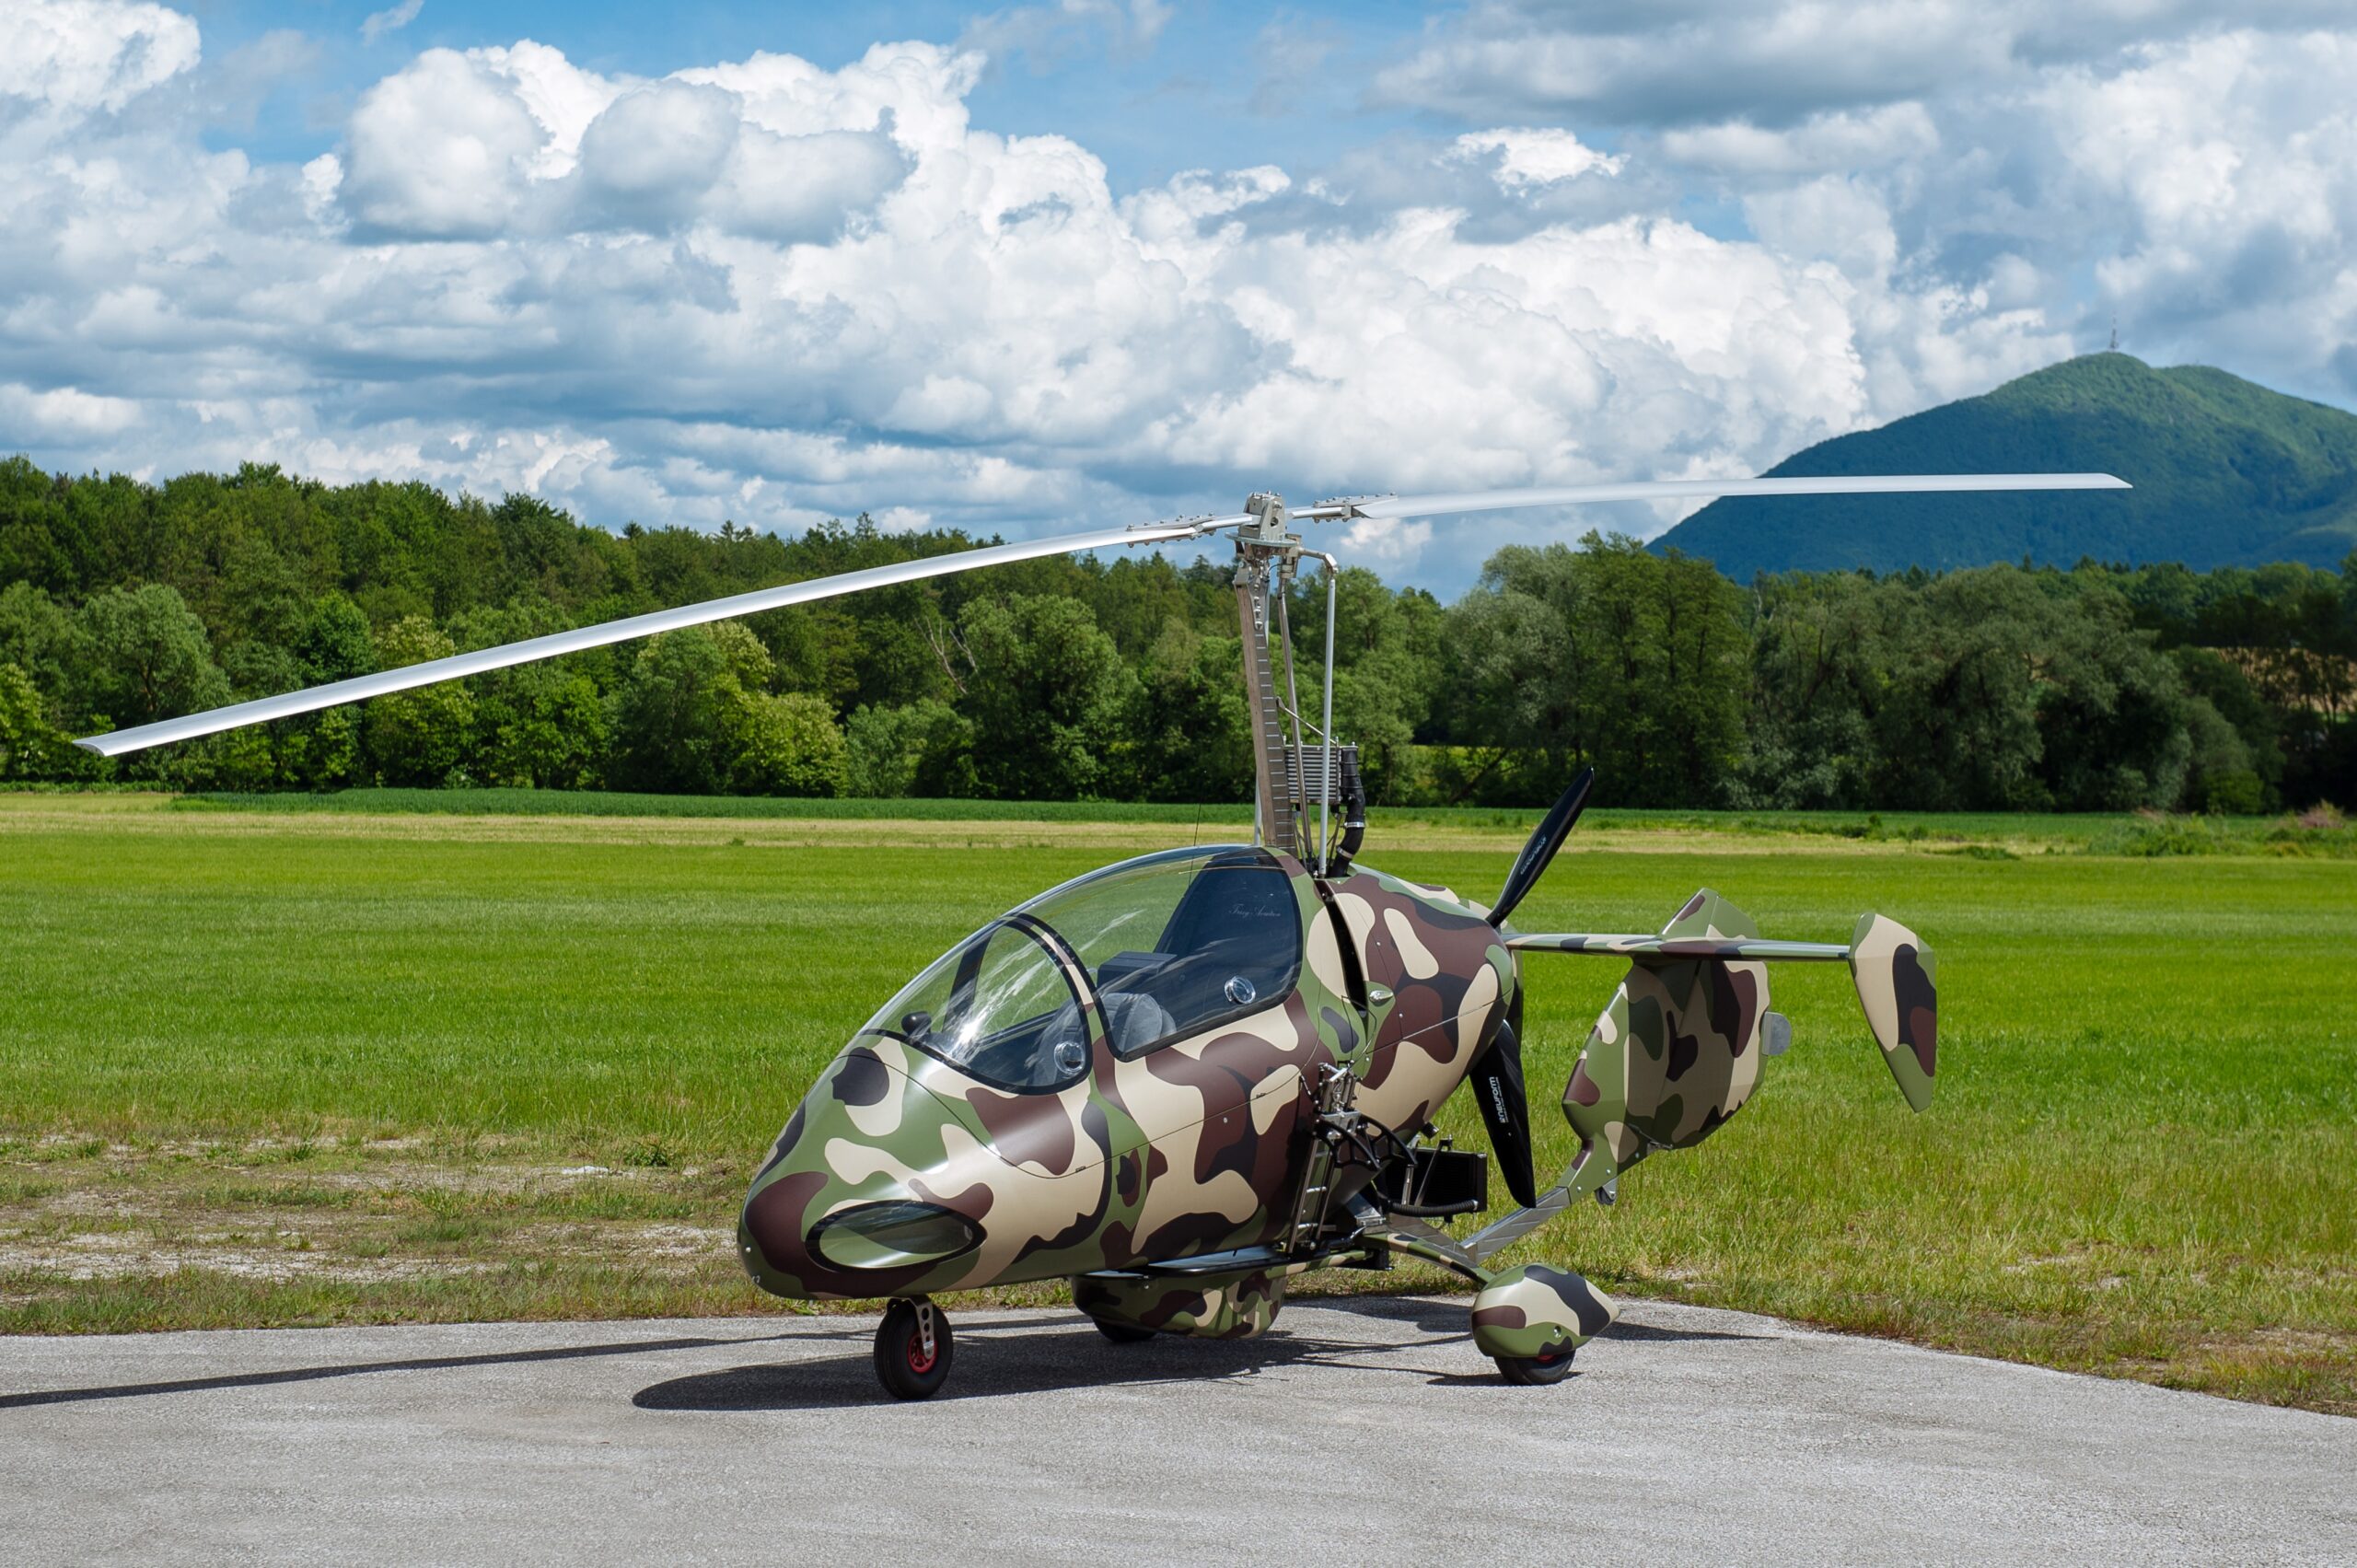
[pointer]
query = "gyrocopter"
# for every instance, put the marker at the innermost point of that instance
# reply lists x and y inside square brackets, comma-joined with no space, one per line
[1184,1080]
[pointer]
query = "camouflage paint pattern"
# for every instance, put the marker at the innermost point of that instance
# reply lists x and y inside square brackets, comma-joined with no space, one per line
[1898,980]
[1190,1148]
[1186,1149]
[1535,1310]
[1450,977]
[1674,1054]
[1208,1306]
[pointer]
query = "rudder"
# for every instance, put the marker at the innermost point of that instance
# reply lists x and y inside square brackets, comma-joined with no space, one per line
[1897,980]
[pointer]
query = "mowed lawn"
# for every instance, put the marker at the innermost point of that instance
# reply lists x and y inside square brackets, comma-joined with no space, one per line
[283,1067]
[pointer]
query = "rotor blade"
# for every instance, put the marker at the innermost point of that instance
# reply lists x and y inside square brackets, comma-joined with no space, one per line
[286,706]
[1687,489]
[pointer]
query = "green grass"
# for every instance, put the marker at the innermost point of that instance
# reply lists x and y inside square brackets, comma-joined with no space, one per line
[342,1068]
[2116,832]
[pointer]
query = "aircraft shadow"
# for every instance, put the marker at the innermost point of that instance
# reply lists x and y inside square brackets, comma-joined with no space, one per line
[1657,1334]
[990,1365]
[997,1360]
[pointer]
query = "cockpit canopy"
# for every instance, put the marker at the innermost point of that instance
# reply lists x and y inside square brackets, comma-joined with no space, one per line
[1168,945]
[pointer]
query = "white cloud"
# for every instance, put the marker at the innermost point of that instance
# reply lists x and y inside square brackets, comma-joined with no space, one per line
[438,151]
[1522,158]
[767,290]
[1384,544]
[65,413]
[651,155]
[75,56]
[391,19]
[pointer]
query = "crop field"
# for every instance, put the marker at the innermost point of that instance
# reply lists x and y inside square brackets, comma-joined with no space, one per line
[271,1063]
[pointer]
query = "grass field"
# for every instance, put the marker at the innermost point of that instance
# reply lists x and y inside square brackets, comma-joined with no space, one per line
[355,1061]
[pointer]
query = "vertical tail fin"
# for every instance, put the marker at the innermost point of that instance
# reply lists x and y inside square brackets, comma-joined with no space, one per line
[1897,980]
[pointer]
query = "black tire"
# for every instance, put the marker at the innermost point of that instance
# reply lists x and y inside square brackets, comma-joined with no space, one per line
[1121,1333]
[900,1362]
[1538,1371]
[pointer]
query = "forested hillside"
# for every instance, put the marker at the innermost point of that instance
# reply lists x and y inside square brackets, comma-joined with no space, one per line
[2226,473]
[1998,687]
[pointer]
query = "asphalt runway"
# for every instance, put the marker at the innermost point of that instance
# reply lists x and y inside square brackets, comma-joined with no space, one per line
[1371,1432]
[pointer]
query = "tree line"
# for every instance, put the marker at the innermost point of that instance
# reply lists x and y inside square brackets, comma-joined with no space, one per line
[2097,688]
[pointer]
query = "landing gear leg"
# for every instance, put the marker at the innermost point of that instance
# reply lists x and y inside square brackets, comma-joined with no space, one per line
[912,1349]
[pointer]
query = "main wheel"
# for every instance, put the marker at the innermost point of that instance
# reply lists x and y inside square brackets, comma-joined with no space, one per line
[1537,1371]
[1121,1333]
[912,1350]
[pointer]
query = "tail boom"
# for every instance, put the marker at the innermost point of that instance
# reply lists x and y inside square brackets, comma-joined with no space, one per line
[1677,1051]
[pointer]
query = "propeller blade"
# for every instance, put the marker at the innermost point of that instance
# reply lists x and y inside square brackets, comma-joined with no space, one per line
[1532,862]
[286,704]
[1450,503]
[1499,1095]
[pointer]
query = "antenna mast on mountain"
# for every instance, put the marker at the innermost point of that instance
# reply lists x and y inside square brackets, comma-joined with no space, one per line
[2114,334]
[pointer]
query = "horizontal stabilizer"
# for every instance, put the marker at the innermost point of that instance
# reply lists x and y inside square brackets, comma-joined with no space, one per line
[1753,949]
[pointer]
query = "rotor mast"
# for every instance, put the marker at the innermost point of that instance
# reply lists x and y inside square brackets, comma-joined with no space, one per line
[1290,775]
[1262,554]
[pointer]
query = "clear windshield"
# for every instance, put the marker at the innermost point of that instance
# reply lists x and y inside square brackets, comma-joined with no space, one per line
[997,1005]
[1174,945]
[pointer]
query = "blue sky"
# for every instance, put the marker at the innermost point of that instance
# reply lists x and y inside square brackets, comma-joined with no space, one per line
[1040,267]
[1205,87]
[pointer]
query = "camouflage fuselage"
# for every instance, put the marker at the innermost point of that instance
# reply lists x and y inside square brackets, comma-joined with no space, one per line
[1191,1147]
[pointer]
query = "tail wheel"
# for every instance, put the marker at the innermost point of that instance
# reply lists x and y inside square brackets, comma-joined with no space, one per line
[1537,1371]
[1121,1333]
[914,1350]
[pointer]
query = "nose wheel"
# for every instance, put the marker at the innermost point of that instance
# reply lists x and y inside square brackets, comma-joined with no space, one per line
[1535,1371]
[913,1349]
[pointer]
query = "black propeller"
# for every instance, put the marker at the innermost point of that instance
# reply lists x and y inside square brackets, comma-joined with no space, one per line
[1496,1077]
[1553,828]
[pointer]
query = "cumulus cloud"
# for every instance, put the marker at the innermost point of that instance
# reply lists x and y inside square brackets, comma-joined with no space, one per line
[773,291]
[72,56]
[438,151]
[653,154]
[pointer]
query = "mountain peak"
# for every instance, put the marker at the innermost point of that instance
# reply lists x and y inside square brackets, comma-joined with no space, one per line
[2227,473]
